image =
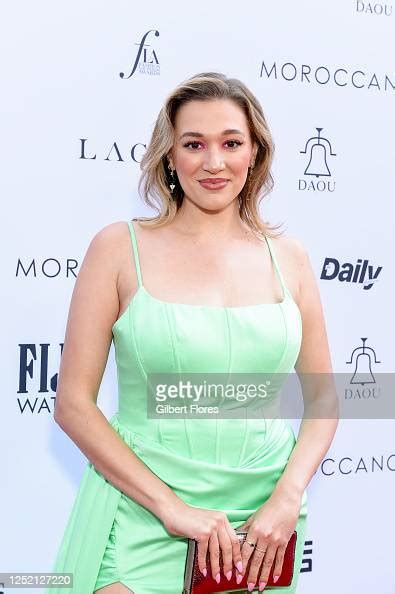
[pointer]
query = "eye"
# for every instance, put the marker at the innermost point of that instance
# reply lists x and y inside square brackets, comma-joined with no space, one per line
[194,144]
[236,143]
[190,143]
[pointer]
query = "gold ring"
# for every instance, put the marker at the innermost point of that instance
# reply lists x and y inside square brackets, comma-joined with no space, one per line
[260,550]
[252,544]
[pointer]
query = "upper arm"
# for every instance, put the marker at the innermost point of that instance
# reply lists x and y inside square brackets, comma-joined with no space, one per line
[93,310]
[313,365]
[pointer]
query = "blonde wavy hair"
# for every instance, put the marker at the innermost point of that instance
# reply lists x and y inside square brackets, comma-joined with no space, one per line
[154,182]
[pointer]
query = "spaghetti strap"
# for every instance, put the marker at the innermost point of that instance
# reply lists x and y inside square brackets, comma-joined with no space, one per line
[274,259]
[135,251]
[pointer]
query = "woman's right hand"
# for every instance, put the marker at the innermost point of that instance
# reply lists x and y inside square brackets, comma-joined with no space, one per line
[212,531]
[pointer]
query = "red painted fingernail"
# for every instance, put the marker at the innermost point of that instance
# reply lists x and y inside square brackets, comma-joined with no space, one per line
[262,585]
[275,578]
[228,575]
[204,572]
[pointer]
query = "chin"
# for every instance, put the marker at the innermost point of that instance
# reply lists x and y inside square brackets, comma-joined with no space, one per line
[214,204]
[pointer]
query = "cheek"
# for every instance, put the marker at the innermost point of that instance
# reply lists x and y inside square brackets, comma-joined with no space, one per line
[240,164]
[186,163]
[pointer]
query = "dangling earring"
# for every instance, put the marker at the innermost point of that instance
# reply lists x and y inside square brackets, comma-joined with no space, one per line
[172,184]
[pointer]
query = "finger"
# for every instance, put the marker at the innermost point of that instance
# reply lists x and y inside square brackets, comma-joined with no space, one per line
[268,559]
[247,550]
[202,555]
[236,549]
[213,546]
[278,564]
[256,562]
[227,542]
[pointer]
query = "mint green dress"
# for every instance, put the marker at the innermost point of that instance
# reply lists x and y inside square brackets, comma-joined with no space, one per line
[229,465]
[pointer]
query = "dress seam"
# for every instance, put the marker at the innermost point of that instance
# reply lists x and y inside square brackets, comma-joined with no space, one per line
[178,368]
[133,339]
[285,345]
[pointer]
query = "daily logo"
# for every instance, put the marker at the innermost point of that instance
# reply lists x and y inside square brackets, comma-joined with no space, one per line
[361,273]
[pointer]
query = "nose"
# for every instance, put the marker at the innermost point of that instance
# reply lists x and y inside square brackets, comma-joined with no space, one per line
[213,161]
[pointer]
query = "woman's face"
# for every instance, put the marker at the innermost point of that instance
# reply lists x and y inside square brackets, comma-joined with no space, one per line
[212,151]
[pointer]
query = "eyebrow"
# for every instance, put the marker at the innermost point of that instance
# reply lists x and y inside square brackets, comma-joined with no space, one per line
[199,135]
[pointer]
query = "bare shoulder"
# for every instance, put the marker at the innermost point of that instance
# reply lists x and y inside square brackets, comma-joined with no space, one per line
[289,246]
[100,267]
[102,272]
[293,259]
[109,237]
[110,247]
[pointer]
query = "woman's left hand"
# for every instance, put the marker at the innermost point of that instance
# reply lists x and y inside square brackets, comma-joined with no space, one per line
[270,528]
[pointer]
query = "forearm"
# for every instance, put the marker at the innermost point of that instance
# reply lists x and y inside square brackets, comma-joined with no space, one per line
[92,433]
[313,441]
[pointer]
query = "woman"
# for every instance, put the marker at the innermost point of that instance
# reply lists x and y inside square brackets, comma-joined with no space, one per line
[205,287]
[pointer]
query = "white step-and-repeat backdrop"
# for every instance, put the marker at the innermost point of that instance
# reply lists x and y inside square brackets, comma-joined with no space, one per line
[82,85]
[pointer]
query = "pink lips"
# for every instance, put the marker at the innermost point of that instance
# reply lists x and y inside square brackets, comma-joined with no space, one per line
[213,183]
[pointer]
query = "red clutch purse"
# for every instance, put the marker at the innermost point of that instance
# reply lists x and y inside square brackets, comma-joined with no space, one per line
[196,583]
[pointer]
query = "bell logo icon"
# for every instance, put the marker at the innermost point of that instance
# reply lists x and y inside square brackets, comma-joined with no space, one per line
[318,150]
[362,357]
